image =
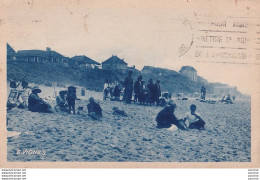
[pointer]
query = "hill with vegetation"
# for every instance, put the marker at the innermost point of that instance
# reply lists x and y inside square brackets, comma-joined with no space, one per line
[93,79]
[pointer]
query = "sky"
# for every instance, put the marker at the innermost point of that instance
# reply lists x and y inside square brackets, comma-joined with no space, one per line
[138,34]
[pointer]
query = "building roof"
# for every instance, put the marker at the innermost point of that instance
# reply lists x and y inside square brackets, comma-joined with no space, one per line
[190,68]
[9,49]
[114,60]
[84,59]
[39,53]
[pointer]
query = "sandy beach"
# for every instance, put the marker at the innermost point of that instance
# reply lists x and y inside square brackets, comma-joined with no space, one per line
[135,138]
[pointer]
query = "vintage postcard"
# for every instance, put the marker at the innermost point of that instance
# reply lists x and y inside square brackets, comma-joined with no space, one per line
[136,84]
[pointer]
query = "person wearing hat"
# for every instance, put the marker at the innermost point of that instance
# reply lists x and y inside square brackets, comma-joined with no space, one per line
[36,104]
[166,117]
[137,88]
[61,101]
[128,84]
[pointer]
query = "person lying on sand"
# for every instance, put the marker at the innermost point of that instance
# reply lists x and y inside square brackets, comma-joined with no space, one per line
[94,109]
[118,111]
[166,117]
[194,119]
[36,104]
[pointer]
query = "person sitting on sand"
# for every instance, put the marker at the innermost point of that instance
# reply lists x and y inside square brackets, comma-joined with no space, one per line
[166,117]
[94,109]
[36,104]
[23,95]
[61,101]
[194,119]
[118,111]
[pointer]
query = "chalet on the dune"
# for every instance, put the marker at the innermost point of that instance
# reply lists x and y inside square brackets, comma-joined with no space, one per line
[84,62]
[40,56]
[114,63]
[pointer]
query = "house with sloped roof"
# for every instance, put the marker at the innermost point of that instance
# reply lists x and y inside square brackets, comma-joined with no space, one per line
[114,63]
[189,72]
[40,56]
[84,62]
[10,52]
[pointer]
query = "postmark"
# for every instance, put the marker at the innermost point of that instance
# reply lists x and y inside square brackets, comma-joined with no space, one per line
[233,40]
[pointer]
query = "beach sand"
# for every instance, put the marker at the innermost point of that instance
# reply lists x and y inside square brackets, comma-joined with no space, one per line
[135,138]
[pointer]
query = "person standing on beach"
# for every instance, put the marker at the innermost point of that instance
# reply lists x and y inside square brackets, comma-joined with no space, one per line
[117,92]
[71,97]
[137,88]
[111,89]
[152,91]
[203,93]
[143,93]
[106,90]
[128,84]
[194,119]
[157,92]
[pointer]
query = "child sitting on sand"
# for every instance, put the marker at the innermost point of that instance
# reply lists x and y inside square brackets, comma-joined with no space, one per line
[194,119]
[94,109]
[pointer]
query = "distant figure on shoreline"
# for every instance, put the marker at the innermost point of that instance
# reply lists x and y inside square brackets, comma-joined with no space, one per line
[94,109]
[203,93]
[71,97]
[128,84]
[227,99]
[36,104]
[194,119]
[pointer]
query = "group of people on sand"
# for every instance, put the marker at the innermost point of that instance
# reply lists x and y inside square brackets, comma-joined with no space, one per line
[167,119]
[112,90]
[65,101]
[147,94]
[143,93]
[67,97]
